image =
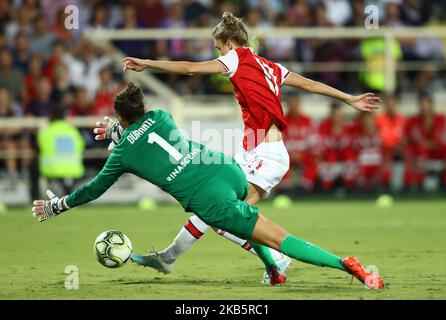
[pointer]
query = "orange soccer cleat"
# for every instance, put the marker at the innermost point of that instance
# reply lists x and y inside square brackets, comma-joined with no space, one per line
[275,276]
[355,268]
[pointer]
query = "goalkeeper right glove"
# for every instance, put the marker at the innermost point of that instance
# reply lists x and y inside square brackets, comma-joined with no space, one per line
[108,129]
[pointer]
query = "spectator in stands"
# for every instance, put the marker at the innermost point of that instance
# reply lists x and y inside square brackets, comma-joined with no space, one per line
[426,144]
[10,77]
[253,20]
[367,142]
[200,50]
[339,12]
[357,18]
[129,21]
[270,9]
[283,48]
[100,17]
[150,13]
[175,48]
[194,10]
[59,29]
[320,18]
[3,42]
[55,60]
[5,13]
[12,140]
[373,53]
[62,85]
[32,78]
[337,155]
[61,149]
[300,139]
[40,106]
[42,39]
[82,106]
[85,66]
[32,7]
[327,50]
[105,94]
[416,12]
[21,53]
[393,15]
[21,22]
[391,128]
[299,14]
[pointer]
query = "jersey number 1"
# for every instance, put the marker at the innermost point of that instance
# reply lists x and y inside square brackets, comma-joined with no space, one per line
[155,138]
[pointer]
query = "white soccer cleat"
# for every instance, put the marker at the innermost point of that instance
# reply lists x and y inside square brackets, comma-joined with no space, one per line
[153,260]
[283,263]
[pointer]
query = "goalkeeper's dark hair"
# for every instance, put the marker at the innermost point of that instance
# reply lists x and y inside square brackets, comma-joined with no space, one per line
[129,103]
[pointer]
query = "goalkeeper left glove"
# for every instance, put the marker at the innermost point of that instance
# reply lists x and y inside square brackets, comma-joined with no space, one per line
[45,209]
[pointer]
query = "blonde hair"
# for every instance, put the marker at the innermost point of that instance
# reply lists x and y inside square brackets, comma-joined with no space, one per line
[231,28]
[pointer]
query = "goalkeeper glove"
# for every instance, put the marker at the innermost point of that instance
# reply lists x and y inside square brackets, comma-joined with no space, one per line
[45,209]
[108,129]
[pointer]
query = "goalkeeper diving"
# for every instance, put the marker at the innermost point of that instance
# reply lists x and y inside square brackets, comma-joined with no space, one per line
[208,183]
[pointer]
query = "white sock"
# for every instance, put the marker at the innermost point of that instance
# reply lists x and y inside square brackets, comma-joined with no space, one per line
[245,244]
[188,235]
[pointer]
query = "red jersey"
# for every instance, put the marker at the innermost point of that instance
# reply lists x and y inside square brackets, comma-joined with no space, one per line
[417,133]
[391,129]
[329,138]
[257,85]
[299,133]
[367,144]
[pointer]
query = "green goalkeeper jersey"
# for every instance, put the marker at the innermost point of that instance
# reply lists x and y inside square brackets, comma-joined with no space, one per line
[154,149]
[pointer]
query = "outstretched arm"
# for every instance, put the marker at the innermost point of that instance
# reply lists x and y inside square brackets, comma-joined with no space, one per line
[365,102]
[183,67]
[45,209]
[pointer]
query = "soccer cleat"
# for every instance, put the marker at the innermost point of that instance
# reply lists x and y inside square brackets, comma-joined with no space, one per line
[275,276]
[153,260]
[283,264]
[355,268]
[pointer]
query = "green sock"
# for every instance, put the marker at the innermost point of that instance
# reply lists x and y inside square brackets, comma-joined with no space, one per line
[264,254]
[309,253]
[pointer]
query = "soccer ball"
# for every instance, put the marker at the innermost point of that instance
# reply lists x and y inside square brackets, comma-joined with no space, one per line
[112,248]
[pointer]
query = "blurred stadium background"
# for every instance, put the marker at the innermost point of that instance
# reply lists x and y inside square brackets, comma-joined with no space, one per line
[55,83]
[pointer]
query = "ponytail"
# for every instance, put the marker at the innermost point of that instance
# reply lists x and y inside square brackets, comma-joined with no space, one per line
[231,28]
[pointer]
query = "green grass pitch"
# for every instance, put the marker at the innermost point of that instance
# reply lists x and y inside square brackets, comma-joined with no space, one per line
[406,242]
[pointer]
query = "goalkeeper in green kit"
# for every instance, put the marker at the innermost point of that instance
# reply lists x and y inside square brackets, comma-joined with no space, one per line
[208,183]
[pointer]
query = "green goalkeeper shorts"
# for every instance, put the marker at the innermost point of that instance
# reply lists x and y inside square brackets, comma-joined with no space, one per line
[220,203]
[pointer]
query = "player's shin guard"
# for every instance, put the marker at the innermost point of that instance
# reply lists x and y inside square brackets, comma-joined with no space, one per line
[188,235]
[309,253]
[245,244]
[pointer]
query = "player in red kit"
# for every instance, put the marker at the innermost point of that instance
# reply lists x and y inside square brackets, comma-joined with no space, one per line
[257,85]
[300,138]
[368,145]
[391,128]
[335,149]
[426,142]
